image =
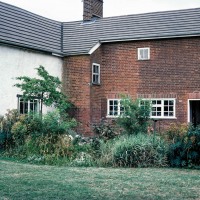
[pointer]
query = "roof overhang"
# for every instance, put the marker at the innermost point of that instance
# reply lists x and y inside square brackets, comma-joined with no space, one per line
[94,48]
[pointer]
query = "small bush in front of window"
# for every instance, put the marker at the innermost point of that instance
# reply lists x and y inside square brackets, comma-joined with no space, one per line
[135,118]
[105,130]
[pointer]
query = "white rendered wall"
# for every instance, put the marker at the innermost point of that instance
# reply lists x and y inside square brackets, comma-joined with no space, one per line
[17,62]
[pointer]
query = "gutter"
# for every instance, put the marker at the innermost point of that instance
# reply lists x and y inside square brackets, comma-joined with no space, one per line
[29,47]
[139,38]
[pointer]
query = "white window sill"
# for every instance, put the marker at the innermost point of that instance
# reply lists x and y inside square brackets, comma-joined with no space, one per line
[157,118]
[109,116]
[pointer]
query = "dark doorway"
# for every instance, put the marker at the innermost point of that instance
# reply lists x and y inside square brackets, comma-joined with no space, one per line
[195,112]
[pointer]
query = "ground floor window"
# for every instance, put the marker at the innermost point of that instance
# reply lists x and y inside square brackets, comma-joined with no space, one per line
[27,106]
[114,107]
[161,108]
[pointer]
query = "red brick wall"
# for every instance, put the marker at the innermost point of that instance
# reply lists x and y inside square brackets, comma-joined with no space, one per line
[172,72]
[76,85]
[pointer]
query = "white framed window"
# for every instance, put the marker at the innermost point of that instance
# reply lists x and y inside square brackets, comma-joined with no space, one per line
[144,53]
[161,108]
[27,106]
[95,73]
[114,108]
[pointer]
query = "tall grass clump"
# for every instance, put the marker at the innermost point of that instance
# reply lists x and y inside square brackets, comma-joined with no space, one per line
[133,151]
[140,151]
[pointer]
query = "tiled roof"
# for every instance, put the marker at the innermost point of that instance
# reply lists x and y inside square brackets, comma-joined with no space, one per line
[79,37]
[23,28]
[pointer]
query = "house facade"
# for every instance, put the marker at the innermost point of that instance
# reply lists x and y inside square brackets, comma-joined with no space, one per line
[151,56]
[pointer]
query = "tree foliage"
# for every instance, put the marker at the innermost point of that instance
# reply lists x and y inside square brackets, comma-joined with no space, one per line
[47,88]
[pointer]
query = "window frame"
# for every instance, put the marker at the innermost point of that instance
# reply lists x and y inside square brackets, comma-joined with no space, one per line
[96,74]
[118,108]
[139,54]
[162,106]
[29,102]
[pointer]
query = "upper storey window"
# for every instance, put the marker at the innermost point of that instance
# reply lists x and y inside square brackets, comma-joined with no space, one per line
[95,73]
[144,53]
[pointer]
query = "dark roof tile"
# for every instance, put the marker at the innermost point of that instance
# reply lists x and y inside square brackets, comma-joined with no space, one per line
[23,28]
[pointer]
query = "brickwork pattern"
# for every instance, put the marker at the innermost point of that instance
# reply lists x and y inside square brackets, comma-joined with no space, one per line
[173,71]
[92,8]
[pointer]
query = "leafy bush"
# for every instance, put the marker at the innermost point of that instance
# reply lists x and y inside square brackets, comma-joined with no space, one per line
[42,139]
[175,131]
[185,150]
[135,118]
[105,130]
[46,150]
[6,123]
[53,124]
[19,132]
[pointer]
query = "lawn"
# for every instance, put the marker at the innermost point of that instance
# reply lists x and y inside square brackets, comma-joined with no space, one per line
[24,181]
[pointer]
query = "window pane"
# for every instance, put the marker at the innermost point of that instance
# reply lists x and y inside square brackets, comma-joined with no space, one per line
[121,110]
[145,51]
[115,113]
[153,113]
[166,108]
[171,102]
[93,79]
[159,102]
[31,106]
[153,102]
[25,107]
[158,108]
[21,106]
[158,113]
[111,102]
[95,69]
[165,113]
[165,102]
[115,102]
[171,108]
[35,106]
[153,108]
[171,114]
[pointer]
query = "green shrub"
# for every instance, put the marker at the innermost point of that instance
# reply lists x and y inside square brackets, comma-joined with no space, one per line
[44,140]
[175,131]
[53,124]
[104,155]
[135,118]
[105,130]
[6,123]
[45,149]
[185,151]
[133,151]
[140,151]
[19,132]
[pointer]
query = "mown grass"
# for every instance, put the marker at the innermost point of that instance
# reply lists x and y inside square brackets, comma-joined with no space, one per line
[24,181]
